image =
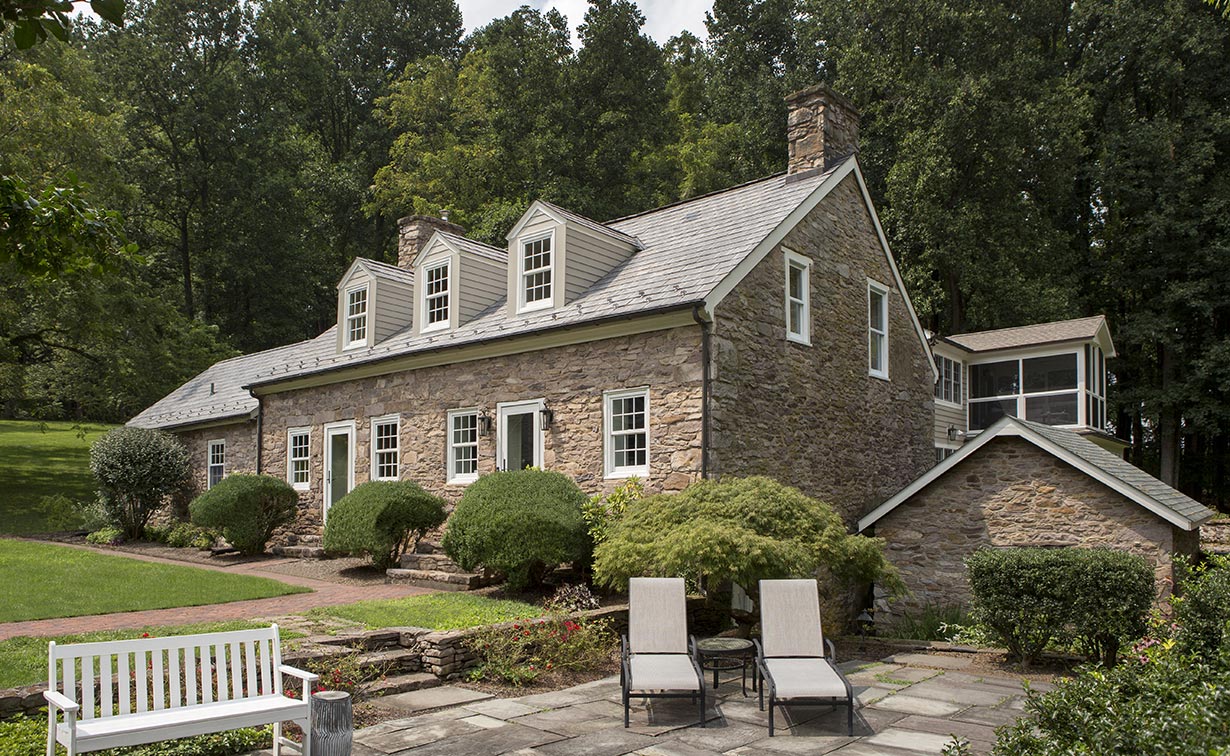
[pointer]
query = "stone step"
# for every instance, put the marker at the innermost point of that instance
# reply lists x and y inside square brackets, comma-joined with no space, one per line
[389,661]
[300,552]
[394,684]
[442,581]
[431,562]
[368,641]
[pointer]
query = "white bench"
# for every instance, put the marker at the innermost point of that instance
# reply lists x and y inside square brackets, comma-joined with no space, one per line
[123,693]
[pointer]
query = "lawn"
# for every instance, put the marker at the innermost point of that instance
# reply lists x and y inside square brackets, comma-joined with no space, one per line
[42,459]
[438,611]
[40,580]
[23,660]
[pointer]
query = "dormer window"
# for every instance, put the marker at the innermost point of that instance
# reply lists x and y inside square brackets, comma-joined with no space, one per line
[537,273]
[356,317]
[436,297]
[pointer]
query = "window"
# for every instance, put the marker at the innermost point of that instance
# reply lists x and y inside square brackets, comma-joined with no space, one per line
[386,457]
[877,329]
[298,464]
[217,462]
[948,387]
[435,297]
[536,273]
[798,296]
[627,432]
[1041,389]
[462,446]
[1095,387]
[356,317]
[944,452]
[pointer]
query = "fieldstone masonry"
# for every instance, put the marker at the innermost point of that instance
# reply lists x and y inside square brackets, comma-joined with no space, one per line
[1013,494]
[240,441]
[822,127]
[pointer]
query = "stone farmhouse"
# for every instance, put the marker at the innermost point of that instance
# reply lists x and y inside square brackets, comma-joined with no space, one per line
[760,330]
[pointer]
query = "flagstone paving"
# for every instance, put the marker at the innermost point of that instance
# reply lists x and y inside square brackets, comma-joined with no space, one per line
[911,704]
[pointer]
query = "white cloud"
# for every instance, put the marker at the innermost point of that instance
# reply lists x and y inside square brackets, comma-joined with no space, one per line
[663,18]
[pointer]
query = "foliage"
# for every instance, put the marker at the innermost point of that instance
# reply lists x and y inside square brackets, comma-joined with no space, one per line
[522,523]
[1159,700]
[26,736]
[345,672]
[600,512]
[382,519]
[1202,607]
[520,653]
[741,531]
[440,611]
[572,598]
[182,535]
[39,461]
[33,20]
[1033,597]
[247,509]
[105,537]
[32,576]
[137,469]
[933,623]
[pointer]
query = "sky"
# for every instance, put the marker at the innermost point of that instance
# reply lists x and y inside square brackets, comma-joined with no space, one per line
[663,18]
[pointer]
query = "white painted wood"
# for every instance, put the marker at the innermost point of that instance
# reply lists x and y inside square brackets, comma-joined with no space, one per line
[175,681]
[87,687]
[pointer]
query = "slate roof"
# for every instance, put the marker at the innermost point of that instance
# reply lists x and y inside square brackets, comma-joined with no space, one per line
[687,249]
[475,247]
[1030,335]
[593,224]
[384,270]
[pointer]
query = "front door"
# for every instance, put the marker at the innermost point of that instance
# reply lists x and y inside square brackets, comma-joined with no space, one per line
[339,463]
[520,435]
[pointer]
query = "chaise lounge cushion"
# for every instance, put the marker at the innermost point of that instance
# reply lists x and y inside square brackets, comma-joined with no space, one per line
[663,672]
[805,678]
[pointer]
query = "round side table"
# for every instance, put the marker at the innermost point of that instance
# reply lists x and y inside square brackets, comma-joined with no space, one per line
[721,654]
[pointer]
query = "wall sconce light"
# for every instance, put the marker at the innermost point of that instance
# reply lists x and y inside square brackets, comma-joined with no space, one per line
[547,415]
[484,423]
[955,433]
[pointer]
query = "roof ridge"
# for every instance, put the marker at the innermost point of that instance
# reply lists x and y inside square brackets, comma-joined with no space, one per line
[467,239]
[1027,325]
[685,201]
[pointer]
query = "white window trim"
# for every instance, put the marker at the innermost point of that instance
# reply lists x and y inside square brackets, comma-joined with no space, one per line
[882,290]
[327,458]
[209,461]
[448,292]
[290,459]
[795,260]
[541,304]
[373,470]
[450,476]
[960,365]
[611,471]
[367,323]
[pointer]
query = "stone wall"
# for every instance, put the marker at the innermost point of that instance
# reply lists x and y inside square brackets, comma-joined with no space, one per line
[811,416]
[240,448]
[571,379]
[1012,494]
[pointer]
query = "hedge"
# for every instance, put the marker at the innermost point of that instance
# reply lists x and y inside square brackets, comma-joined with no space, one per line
[247,509]
[382,519]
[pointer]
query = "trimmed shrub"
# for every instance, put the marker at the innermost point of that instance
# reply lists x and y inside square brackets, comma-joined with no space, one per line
[382,519]
[246,509]
[137,470]
[1112,592]
[1202,607]
[520,522]
[105,537]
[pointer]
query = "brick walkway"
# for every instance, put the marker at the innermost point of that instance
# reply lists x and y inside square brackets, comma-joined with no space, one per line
[324,593]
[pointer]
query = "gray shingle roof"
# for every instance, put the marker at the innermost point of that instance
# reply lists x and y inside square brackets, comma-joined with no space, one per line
[384,270]
[593,224]
[688,248]
[1042,333]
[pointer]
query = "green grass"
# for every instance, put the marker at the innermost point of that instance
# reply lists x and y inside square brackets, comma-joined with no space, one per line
[23,660]
[439,611]
[40,581]
[42,459]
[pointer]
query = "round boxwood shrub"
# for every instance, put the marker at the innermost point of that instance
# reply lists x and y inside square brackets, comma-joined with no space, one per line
[137,470]
[247,509]
[519,522]
[382,519]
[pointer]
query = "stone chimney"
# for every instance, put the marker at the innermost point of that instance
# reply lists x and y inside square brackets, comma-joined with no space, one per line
[413,233]
[821,128]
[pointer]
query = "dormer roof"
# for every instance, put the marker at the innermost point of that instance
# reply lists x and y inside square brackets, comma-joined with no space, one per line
[1081,329]
[378,270]
[560,215]
[463,245]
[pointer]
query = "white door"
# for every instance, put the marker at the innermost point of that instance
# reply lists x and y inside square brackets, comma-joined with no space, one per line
[520,440]
[339,463]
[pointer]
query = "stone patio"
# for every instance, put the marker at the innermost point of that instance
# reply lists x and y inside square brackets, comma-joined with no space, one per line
[908,704]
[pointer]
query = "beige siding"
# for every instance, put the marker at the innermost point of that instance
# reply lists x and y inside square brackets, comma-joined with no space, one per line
[482,283]
[588,257]
[947,415]
[393,309]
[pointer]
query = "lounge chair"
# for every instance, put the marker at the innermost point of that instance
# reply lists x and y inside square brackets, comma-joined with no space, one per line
[790,654]
[659,659]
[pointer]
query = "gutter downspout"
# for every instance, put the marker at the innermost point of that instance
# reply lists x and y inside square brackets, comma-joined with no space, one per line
[706,334]
[260,424]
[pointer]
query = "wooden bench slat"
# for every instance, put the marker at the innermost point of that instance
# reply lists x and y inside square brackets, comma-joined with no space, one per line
[173,677]
[98,648]
[236,677]
[125,690]
[207,675]
[87,687]
[105,681]
[252,686]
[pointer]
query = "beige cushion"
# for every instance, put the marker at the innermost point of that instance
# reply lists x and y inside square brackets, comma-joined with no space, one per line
[805,678]
[790,618]
[657,616]
[663,672]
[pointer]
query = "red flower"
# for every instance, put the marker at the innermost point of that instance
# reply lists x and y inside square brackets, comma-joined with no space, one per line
[144,635]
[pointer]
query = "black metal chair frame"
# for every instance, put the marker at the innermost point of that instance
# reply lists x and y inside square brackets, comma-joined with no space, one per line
[625,679]
[767,682]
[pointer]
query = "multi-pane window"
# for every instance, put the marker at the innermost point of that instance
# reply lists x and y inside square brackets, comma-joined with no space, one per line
[798,326]
[435,292]
[298,466]
[1095,387]
[948,387]
[217,462]
[627,432]
[1041,389]
[877,330]
[356,317]
[536,272]
[462,446]
[385,448]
